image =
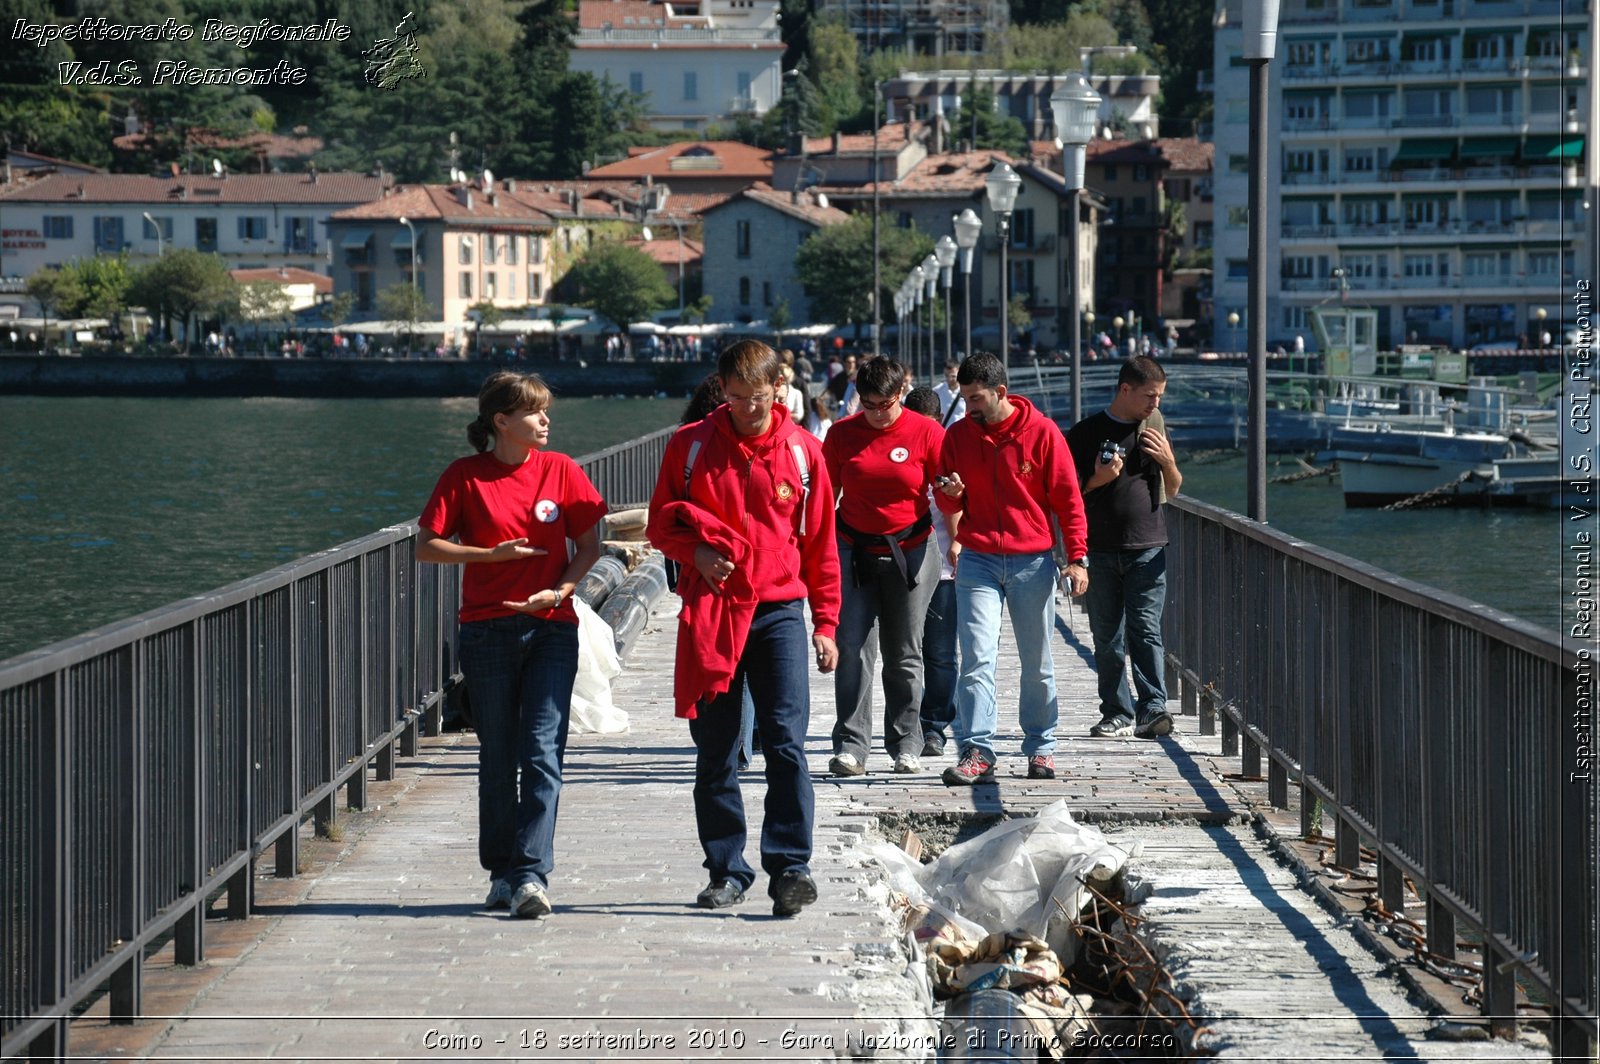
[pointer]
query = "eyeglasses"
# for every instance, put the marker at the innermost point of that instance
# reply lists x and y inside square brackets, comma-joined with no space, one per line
[750,400]
[878,408]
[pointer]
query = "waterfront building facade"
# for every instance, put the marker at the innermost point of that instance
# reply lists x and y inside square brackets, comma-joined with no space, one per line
[254,221]
[1428,160]
[751,241]
[696,62]
[1127,100]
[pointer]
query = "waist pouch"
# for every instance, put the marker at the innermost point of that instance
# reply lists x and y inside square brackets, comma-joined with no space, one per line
[861,544]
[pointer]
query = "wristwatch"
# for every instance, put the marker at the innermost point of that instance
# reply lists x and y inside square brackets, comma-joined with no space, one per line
[1083,561]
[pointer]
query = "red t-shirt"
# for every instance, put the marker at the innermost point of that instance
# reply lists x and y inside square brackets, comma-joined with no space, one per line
[884,474]
[480,501]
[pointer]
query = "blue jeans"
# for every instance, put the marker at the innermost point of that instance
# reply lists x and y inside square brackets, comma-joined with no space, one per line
[1127,593]
[939,661]
[519,673]
[883,602]
[776,657]
[1025,584]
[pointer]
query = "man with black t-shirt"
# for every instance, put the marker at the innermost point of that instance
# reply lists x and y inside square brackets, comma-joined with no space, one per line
[1126,466]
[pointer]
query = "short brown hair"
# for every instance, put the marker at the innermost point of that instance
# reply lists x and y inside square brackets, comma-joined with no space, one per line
[749,362]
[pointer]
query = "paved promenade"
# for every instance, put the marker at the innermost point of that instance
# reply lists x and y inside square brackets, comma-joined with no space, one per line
[381,952]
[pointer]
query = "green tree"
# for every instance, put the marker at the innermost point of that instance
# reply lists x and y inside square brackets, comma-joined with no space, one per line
[263,303]
[403,302]
[55,290]
[620,282]
[835,71]
[1053,48]
[988,130]
[696,310]
[835,266]
[779,320]
[181,284]
[483,313]
[338,308]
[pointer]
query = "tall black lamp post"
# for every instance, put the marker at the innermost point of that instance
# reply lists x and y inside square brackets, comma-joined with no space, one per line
[1001,189]
[1075,106]
[945,252]
[968,227]
[1260,42]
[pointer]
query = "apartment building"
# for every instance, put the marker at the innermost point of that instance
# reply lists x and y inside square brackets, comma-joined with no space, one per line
[1428,160]
[923,27]
[695,61]
[254,221]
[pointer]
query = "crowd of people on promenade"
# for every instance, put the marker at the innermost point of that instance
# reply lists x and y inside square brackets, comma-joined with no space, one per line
[905,519]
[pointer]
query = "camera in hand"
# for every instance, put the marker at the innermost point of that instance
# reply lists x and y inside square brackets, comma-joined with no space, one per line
[1111,449]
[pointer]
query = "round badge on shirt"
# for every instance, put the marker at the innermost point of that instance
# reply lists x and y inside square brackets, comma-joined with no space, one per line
[899,454]
[546,510]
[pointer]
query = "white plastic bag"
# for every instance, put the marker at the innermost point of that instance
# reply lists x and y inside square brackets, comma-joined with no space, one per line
[592,707]
[1026,875]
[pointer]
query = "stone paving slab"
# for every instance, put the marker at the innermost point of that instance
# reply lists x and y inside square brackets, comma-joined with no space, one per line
[386,955]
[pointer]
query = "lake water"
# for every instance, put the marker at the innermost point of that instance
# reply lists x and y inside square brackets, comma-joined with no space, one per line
[112,507]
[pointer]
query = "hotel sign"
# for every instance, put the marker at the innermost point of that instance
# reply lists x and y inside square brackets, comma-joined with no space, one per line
[21,238]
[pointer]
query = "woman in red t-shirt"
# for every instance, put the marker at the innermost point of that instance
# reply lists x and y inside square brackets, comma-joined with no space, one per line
[506,513]
[882,460]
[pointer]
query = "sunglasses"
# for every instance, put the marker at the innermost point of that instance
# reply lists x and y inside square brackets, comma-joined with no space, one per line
[878,408]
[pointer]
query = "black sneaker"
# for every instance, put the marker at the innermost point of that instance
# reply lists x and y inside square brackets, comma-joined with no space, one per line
[1114,726]
[792,891]
[1154,726]
[720,895]
[933,745]
[972,769]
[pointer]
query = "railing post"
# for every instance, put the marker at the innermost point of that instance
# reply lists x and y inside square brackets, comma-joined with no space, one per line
[1346,844]
[1188,694]
[1230,733]
[127,982]
[385,758]
[356,789]
[326,813]
[189,946]
[1208,715]
[242,884]
[286,851]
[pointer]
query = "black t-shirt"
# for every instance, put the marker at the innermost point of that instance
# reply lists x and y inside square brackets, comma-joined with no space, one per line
[1126,513]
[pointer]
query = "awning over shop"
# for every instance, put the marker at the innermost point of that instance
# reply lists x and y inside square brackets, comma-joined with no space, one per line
[1488,147]
[402,239]
[1547,148]
[356,238]
[1424,151]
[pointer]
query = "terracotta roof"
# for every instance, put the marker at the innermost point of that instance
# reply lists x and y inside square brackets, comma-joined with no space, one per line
[1125,151]
[668,252]
[950,174]
[1187,153]
[693,159]
[285,275]
[805,209]
[235,188]
[629,14]
[891,138]
[420,202]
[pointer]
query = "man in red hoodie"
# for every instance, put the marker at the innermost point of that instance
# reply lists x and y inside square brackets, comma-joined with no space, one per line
[744,505]
[1009,471]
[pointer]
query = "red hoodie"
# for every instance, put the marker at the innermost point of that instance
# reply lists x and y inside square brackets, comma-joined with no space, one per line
[1015,479]
[754,486]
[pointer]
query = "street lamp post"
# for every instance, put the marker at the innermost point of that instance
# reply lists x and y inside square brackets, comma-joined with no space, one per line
[1075,106]
[945,252]
[1540,313]
[930,284]
[1001,188]
[877,277]
[914,290]
[161,243]
[968,228]
[415,289]
[1233,331]
[1260,42]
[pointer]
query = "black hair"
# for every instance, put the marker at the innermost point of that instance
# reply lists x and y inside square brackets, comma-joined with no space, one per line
[923,400]
[880,376]
[1140,369]
[982,368]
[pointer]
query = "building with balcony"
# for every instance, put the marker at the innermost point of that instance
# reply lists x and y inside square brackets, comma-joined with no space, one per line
[695,62]
[254,221]
[923,27]
[1124,98]
[1429,159]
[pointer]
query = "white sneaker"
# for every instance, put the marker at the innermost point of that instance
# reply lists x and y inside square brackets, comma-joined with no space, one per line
[499,895]
[530,901]
[907,765]
[845,765]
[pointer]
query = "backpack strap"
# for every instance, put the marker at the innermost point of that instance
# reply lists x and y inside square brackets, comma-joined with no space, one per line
[800,462]
[697,443]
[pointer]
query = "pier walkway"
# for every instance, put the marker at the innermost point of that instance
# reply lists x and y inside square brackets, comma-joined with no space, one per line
[379,951]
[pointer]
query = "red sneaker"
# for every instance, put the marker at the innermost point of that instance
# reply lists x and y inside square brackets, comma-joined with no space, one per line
[972,768]
[1041,767]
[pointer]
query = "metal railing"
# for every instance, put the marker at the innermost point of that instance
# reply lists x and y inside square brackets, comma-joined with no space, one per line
[1438,731]
[145,766]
